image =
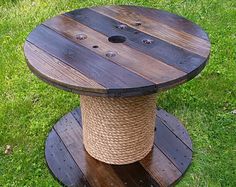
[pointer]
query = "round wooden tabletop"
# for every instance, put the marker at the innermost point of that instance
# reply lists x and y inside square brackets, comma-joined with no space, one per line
[117,50]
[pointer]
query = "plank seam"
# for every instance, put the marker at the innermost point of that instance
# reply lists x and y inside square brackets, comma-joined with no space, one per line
[123,66]
[52,79]
[70,154]
[65,87]
[174,133]
[136,73]
[155,178]
[159,61]
[168,158]
[173,27]
[178,68]
[184,48]
[64,62]
[75,110]
[159,86]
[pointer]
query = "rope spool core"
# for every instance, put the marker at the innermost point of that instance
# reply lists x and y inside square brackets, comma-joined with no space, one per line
[118,130]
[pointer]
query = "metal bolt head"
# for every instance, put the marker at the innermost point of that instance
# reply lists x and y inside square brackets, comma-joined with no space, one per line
[81,36]
[148,41]
[122,26]
[110,54]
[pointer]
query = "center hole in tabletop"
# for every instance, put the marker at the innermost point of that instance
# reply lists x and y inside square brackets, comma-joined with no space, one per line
[117,39]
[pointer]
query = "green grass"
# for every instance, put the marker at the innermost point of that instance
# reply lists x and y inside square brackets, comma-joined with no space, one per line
[29,107]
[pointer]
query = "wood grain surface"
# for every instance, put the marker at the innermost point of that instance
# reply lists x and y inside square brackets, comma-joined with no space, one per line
[71,164]
[74,51]
[152,26]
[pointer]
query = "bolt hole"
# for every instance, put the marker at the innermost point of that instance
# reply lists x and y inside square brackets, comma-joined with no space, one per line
[136,32]
[121,26]
[117,39]
[111,54]
[95,46]
[147,41]
[138,23]
[81,36]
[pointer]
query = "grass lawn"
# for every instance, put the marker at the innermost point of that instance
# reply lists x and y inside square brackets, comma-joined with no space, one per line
[29,107]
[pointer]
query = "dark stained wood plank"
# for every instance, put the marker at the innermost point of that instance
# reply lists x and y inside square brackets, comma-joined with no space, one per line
[96,172]
[58,72]
[175,126]
[134,175]
[61,163]
[157,29]
[159,49]
[172,20]
[129,58]
[95,67]
[179,153]
[156,163]
[131,174]
[160,167]
[77,115]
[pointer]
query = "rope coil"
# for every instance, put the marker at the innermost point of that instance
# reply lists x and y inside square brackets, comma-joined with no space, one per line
[118,130]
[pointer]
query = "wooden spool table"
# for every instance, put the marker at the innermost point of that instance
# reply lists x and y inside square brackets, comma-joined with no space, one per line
[117,58]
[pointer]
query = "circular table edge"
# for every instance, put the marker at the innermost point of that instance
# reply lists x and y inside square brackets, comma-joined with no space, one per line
[124,92]
[139,91]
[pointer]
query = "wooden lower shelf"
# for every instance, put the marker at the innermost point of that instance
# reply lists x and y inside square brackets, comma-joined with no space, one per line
[73,166]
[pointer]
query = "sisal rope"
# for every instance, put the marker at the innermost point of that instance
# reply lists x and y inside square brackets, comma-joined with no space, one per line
[118,130]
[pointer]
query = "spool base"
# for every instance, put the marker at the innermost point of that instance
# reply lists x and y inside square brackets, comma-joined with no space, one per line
[73,166]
